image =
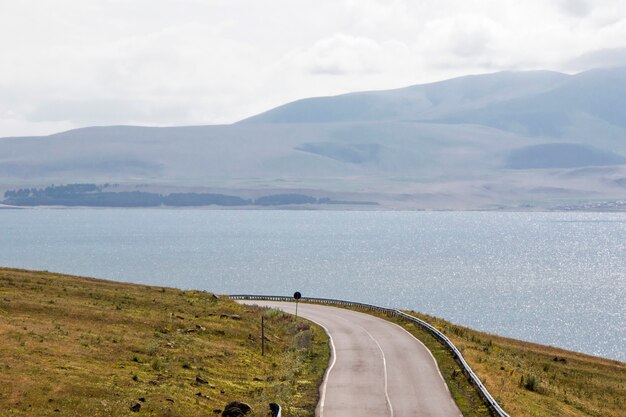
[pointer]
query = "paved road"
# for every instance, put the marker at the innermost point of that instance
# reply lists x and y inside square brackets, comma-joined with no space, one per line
[377,368]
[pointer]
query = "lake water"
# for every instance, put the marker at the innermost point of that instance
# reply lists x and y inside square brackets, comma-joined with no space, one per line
[551,278]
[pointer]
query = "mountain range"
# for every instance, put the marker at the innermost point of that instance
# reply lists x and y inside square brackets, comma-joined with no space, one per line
[507,140]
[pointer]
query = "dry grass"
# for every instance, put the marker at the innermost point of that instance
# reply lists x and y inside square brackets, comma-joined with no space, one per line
[90,347]
[532,380]
[73,346]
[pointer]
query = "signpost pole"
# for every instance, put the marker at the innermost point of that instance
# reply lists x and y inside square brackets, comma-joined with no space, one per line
[262,335]
[297,296]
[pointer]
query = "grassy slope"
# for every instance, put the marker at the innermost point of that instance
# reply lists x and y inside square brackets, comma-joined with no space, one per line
[568,383]
[90,347]
[84,346]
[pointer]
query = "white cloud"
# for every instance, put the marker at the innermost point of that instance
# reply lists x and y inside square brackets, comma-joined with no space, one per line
[348,55]
[370,16]
[71,63]
[604,58]
[578,8]
[465,39]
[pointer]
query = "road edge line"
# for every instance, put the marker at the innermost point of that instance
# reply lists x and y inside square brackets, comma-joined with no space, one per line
[382,352]
[333,355]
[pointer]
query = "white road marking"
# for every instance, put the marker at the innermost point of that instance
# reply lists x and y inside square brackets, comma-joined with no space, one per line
[384,368]
[431,356]
[333,354]
[429,352]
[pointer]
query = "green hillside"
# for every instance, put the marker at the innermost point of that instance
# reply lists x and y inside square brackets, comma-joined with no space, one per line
[73,346]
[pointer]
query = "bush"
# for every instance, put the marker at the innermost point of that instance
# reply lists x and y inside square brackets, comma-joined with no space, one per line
[531,383]
[156,364]
[303,325]
[272,312]
[303,340]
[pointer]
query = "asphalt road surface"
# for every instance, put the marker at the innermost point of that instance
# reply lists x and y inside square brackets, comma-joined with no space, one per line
[377,368]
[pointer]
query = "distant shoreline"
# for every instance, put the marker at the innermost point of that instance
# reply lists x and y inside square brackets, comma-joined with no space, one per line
[87,195]
[371,208]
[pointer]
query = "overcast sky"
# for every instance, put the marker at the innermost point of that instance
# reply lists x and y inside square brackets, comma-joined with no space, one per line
[73,63]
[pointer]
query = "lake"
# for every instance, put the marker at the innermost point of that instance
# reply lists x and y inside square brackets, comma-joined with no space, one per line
[551,278]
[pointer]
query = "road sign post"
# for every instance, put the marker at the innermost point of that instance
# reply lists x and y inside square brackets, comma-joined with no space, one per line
[297,297]
[262,335]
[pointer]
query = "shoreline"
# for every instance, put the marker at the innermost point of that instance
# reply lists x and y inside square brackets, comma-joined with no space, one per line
[332,208]
[406,309]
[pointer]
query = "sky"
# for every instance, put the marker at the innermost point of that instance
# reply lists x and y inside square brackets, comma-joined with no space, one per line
[66,64]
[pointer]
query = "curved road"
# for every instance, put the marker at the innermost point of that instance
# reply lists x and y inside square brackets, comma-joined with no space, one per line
[377,368]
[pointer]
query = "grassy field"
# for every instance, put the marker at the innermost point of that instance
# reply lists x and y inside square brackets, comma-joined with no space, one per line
[73,346]
[531,380]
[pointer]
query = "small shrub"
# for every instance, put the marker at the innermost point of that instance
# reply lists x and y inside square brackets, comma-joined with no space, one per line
[156,364]
[162,330]
[151,349]
[303,340]
[271,313]
[531,383]
[303,325]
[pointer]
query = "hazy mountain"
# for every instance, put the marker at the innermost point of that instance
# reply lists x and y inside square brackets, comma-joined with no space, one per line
[595,97]
[507,138]
[416,103]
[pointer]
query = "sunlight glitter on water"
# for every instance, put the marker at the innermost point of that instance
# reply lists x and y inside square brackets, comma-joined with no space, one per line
[552,278]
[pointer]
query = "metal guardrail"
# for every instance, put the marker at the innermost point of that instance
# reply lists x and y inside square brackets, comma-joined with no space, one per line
[487,397]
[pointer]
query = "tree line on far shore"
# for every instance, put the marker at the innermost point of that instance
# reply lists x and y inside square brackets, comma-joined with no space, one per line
[92,195]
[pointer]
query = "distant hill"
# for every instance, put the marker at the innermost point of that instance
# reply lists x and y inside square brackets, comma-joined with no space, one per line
[423,103]
[483,141]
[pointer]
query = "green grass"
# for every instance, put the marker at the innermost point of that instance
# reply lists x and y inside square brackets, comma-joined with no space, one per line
[72,346]
[92,347]
[533,380]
